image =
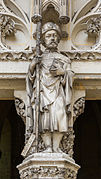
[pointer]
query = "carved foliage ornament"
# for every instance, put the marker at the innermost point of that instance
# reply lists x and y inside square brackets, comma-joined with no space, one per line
[86,24]
[13,24]
[94,26]
[79,106]
[20,108]
[83,55]
[48,172]
[28,55]
[66,144]
[7,28]
[7,25]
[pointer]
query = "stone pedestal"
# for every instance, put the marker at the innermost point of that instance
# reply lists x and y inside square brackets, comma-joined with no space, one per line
[48,166]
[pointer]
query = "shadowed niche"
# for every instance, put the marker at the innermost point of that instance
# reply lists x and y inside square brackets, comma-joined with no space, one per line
[87,143]
[12,131]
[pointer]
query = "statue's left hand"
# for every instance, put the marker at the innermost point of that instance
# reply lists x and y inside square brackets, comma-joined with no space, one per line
[57,68]
[57,72]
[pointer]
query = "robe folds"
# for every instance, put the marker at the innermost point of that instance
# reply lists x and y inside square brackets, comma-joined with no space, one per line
[55,92]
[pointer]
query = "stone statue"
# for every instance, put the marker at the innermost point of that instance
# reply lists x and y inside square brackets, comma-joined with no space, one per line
[55,89]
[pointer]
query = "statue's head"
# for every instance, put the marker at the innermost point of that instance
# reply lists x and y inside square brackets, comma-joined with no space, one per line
[51,35]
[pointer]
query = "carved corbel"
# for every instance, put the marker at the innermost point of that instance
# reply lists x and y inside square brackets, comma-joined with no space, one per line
[78,104]
[78,107]
[20,104]
[20,108]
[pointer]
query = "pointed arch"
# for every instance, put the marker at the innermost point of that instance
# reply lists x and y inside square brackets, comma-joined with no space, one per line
[46,3]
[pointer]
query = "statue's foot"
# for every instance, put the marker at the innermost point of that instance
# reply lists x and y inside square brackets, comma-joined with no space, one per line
[48,150]
[58,150]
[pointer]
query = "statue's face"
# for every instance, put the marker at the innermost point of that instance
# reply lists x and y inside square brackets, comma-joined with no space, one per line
[51,39]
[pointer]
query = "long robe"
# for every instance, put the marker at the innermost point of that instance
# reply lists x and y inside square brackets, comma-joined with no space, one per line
[55,93]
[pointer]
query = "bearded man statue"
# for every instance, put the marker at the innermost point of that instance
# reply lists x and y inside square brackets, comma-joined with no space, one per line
[55,89]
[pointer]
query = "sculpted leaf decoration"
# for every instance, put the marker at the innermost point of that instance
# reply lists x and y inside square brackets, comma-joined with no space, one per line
[20,108]
[86,27]
[8,25]
[14,27]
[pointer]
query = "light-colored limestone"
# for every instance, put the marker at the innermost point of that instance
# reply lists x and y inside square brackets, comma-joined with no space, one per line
[48,165]
[82,47]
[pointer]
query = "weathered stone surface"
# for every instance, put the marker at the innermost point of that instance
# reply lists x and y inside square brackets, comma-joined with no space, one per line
[17,50]
[53,166]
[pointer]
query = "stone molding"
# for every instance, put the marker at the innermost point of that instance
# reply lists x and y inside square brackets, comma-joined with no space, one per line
[16,55]
[28,55]
[82,55]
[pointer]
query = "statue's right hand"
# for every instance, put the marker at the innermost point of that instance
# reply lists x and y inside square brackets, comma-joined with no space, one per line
[32,65]
[35,61]
[38,60]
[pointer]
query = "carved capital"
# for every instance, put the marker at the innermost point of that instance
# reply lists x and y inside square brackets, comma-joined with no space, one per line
[78,107]
[20,108]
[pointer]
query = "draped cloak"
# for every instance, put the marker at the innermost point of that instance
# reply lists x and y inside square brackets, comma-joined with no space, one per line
[55,93]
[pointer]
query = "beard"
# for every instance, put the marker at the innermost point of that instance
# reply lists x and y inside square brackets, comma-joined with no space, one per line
[52,45]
